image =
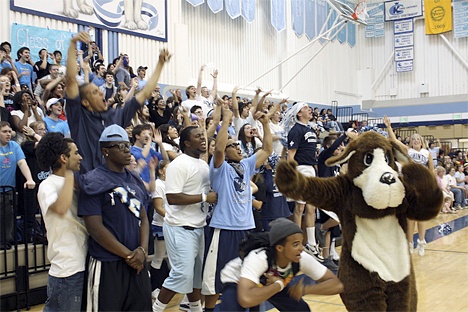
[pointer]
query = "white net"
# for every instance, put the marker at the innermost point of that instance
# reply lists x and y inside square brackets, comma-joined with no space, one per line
[360,11]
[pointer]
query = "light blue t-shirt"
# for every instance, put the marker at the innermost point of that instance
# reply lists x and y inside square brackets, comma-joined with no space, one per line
[234,208]
[9,157]
[138,153]
[57,126]
[25,70]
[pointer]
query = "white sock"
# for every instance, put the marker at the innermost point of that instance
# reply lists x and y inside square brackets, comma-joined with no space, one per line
[311,236]
[195,306]
[158,306]
[333,252]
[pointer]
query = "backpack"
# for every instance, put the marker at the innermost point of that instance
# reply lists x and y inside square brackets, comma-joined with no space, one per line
[256,240]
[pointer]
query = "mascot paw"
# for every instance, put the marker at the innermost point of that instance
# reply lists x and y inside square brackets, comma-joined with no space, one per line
[288,179]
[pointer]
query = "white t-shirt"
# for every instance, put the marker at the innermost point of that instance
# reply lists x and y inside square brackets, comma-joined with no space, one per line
[420,157]
[208,101]
[188,104]
[19,113]
[451,180]
[256,263]
[159,192]
[67,235]
[277,130]
[190,176]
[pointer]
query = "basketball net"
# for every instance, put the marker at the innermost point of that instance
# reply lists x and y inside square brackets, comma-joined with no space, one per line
[360,11]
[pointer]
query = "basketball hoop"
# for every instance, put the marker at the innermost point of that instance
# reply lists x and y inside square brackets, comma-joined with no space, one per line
[360,11]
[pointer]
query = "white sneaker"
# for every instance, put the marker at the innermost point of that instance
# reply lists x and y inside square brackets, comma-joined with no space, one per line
[411,247]
[155,293]
[421,247]
[314,251]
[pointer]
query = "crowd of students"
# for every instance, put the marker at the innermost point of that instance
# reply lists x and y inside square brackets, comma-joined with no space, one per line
[120,170]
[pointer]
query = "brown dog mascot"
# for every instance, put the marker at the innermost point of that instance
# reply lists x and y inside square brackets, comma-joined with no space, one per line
[372,201]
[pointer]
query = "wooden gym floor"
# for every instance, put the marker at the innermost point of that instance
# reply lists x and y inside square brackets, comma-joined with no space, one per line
[441,275]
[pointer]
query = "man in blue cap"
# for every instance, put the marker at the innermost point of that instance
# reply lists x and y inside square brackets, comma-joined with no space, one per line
[112,203]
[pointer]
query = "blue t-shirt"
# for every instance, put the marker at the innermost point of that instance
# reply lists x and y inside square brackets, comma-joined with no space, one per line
[86,128]
[5,64]
[234,208]
[99,81]
[118,198]
[26,71]
[9,157]
[57,126]
[304,140]
[137,152]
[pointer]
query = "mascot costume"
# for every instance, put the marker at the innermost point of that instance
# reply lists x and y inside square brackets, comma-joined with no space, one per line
[372,201]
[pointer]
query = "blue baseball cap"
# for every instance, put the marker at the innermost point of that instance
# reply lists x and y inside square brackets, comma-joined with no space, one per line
[114,133]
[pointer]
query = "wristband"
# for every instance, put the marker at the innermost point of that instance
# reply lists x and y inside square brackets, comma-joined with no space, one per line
[280,282]
[142,249]
[203,197]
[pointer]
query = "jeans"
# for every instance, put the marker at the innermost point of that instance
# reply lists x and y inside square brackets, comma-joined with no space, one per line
[459,196]
[64,293]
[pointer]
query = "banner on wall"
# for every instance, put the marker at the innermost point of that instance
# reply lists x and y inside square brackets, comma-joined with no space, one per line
[233,8]
[402,9]
[278,14]
[150,21]
[215,5]
[248,10]
[38,38]
[375,21]
[438,16]
[460,18]
[297,16]
[310,20]
[196,2]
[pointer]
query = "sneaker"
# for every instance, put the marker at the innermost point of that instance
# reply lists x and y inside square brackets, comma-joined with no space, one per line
[155,293]
[411,247]
[330,264]
[314,251]
[421,247]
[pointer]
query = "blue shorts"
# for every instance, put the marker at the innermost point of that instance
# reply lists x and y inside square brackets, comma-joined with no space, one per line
[221,247]
[185,248]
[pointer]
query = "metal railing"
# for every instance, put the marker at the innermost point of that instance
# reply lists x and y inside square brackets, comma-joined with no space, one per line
[22,248]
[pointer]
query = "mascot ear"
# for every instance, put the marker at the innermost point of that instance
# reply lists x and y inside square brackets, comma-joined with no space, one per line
[342,158]
[400,154]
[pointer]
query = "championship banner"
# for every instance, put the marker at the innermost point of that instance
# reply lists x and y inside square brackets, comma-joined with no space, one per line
[310,20]
[248,10]
[215,5]
[375,21]
[297,15]
[233,8]
[195,2]
[402,9]
[278,14]
[460,18]
[438,16]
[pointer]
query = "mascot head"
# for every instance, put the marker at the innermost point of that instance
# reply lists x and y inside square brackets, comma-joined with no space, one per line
[372,168]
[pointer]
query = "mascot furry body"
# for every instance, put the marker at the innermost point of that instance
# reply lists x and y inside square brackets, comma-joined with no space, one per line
[372,202]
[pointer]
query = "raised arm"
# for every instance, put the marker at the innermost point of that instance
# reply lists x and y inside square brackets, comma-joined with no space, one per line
[391,134]
[216,119]
[222,136]
[253,107]
[200,78]
[72,84]
[145,93]
[235,105]
[214,91]
[50,86]
[267,147]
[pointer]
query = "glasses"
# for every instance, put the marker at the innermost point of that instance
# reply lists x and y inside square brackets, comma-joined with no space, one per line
[122,146]
[235,145]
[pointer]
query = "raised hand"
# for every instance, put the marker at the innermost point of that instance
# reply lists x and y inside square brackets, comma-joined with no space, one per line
[164,56]
[215,74]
